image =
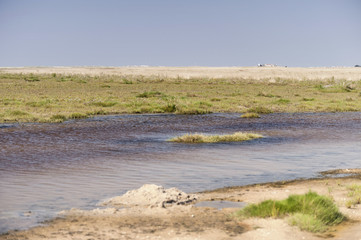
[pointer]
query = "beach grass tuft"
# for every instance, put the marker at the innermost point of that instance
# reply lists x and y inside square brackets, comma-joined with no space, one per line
[354,193]
[201,138]
[310,211]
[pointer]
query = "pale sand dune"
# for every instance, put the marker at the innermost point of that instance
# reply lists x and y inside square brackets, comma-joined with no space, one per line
[255,73]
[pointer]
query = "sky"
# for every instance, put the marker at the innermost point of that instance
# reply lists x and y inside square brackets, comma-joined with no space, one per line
[307,33]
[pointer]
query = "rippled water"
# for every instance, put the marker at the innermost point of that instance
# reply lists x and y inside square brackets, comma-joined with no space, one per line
[45,168]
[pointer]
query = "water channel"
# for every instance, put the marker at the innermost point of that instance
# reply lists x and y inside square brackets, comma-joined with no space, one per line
[46,168]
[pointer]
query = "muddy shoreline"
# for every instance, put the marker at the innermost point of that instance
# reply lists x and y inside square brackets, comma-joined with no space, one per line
[189,222]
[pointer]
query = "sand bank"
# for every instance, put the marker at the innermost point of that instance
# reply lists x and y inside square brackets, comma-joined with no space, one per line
[177,220]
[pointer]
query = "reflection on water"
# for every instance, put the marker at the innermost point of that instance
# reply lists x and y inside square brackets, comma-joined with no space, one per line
[45,168]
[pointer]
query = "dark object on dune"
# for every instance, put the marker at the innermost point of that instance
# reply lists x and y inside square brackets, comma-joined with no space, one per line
[357,65]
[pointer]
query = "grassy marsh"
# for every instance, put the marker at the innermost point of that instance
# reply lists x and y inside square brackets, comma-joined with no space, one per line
[57,97]
[201,138]
[310,211]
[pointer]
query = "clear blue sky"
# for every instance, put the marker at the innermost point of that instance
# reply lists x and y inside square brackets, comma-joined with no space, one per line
[180,32]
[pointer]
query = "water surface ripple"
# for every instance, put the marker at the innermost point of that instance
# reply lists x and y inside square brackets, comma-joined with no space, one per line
[45,168]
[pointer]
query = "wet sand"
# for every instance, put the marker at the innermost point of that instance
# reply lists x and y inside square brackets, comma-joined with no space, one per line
[190,222]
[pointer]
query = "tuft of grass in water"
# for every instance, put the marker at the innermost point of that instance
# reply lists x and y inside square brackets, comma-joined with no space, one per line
[201,138]
[302,209]
[251,115]
[354,192]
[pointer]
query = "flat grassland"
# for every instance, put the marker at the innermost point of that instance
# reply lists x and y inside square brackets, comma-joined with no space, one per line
[59,93]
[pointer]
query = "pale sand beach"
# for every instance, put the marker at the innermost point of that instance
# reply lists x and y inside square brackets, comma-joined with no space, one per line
[154,221]
[252,73]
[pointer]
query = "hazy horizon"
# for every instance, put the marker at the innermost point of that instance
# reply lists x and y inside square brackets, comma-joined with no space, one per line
[181,34]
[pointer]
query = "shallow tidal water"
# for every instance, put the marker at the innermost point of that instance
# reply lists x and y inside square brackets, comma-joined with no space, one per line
[46,168]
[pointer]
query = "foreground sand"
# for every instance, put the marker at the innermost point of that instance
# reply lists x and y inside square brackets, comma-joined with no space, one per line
[190,222]
[254,73]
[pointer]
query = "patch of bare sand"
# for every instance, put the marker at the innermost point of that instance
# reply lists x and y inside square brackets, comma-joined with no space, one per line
[174,221]
[150,195]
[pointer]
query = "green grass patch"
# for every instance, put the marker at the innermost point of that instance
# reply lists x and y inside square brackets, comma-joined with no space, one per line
[262,94]
[307,222]
[201,138]
[18,113]
[308,99]
[304,211]
[104,103]
[283,101]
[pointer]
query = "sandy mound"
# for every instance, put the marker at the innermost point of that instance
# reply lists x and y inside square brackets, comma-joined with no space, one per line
[150,195]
